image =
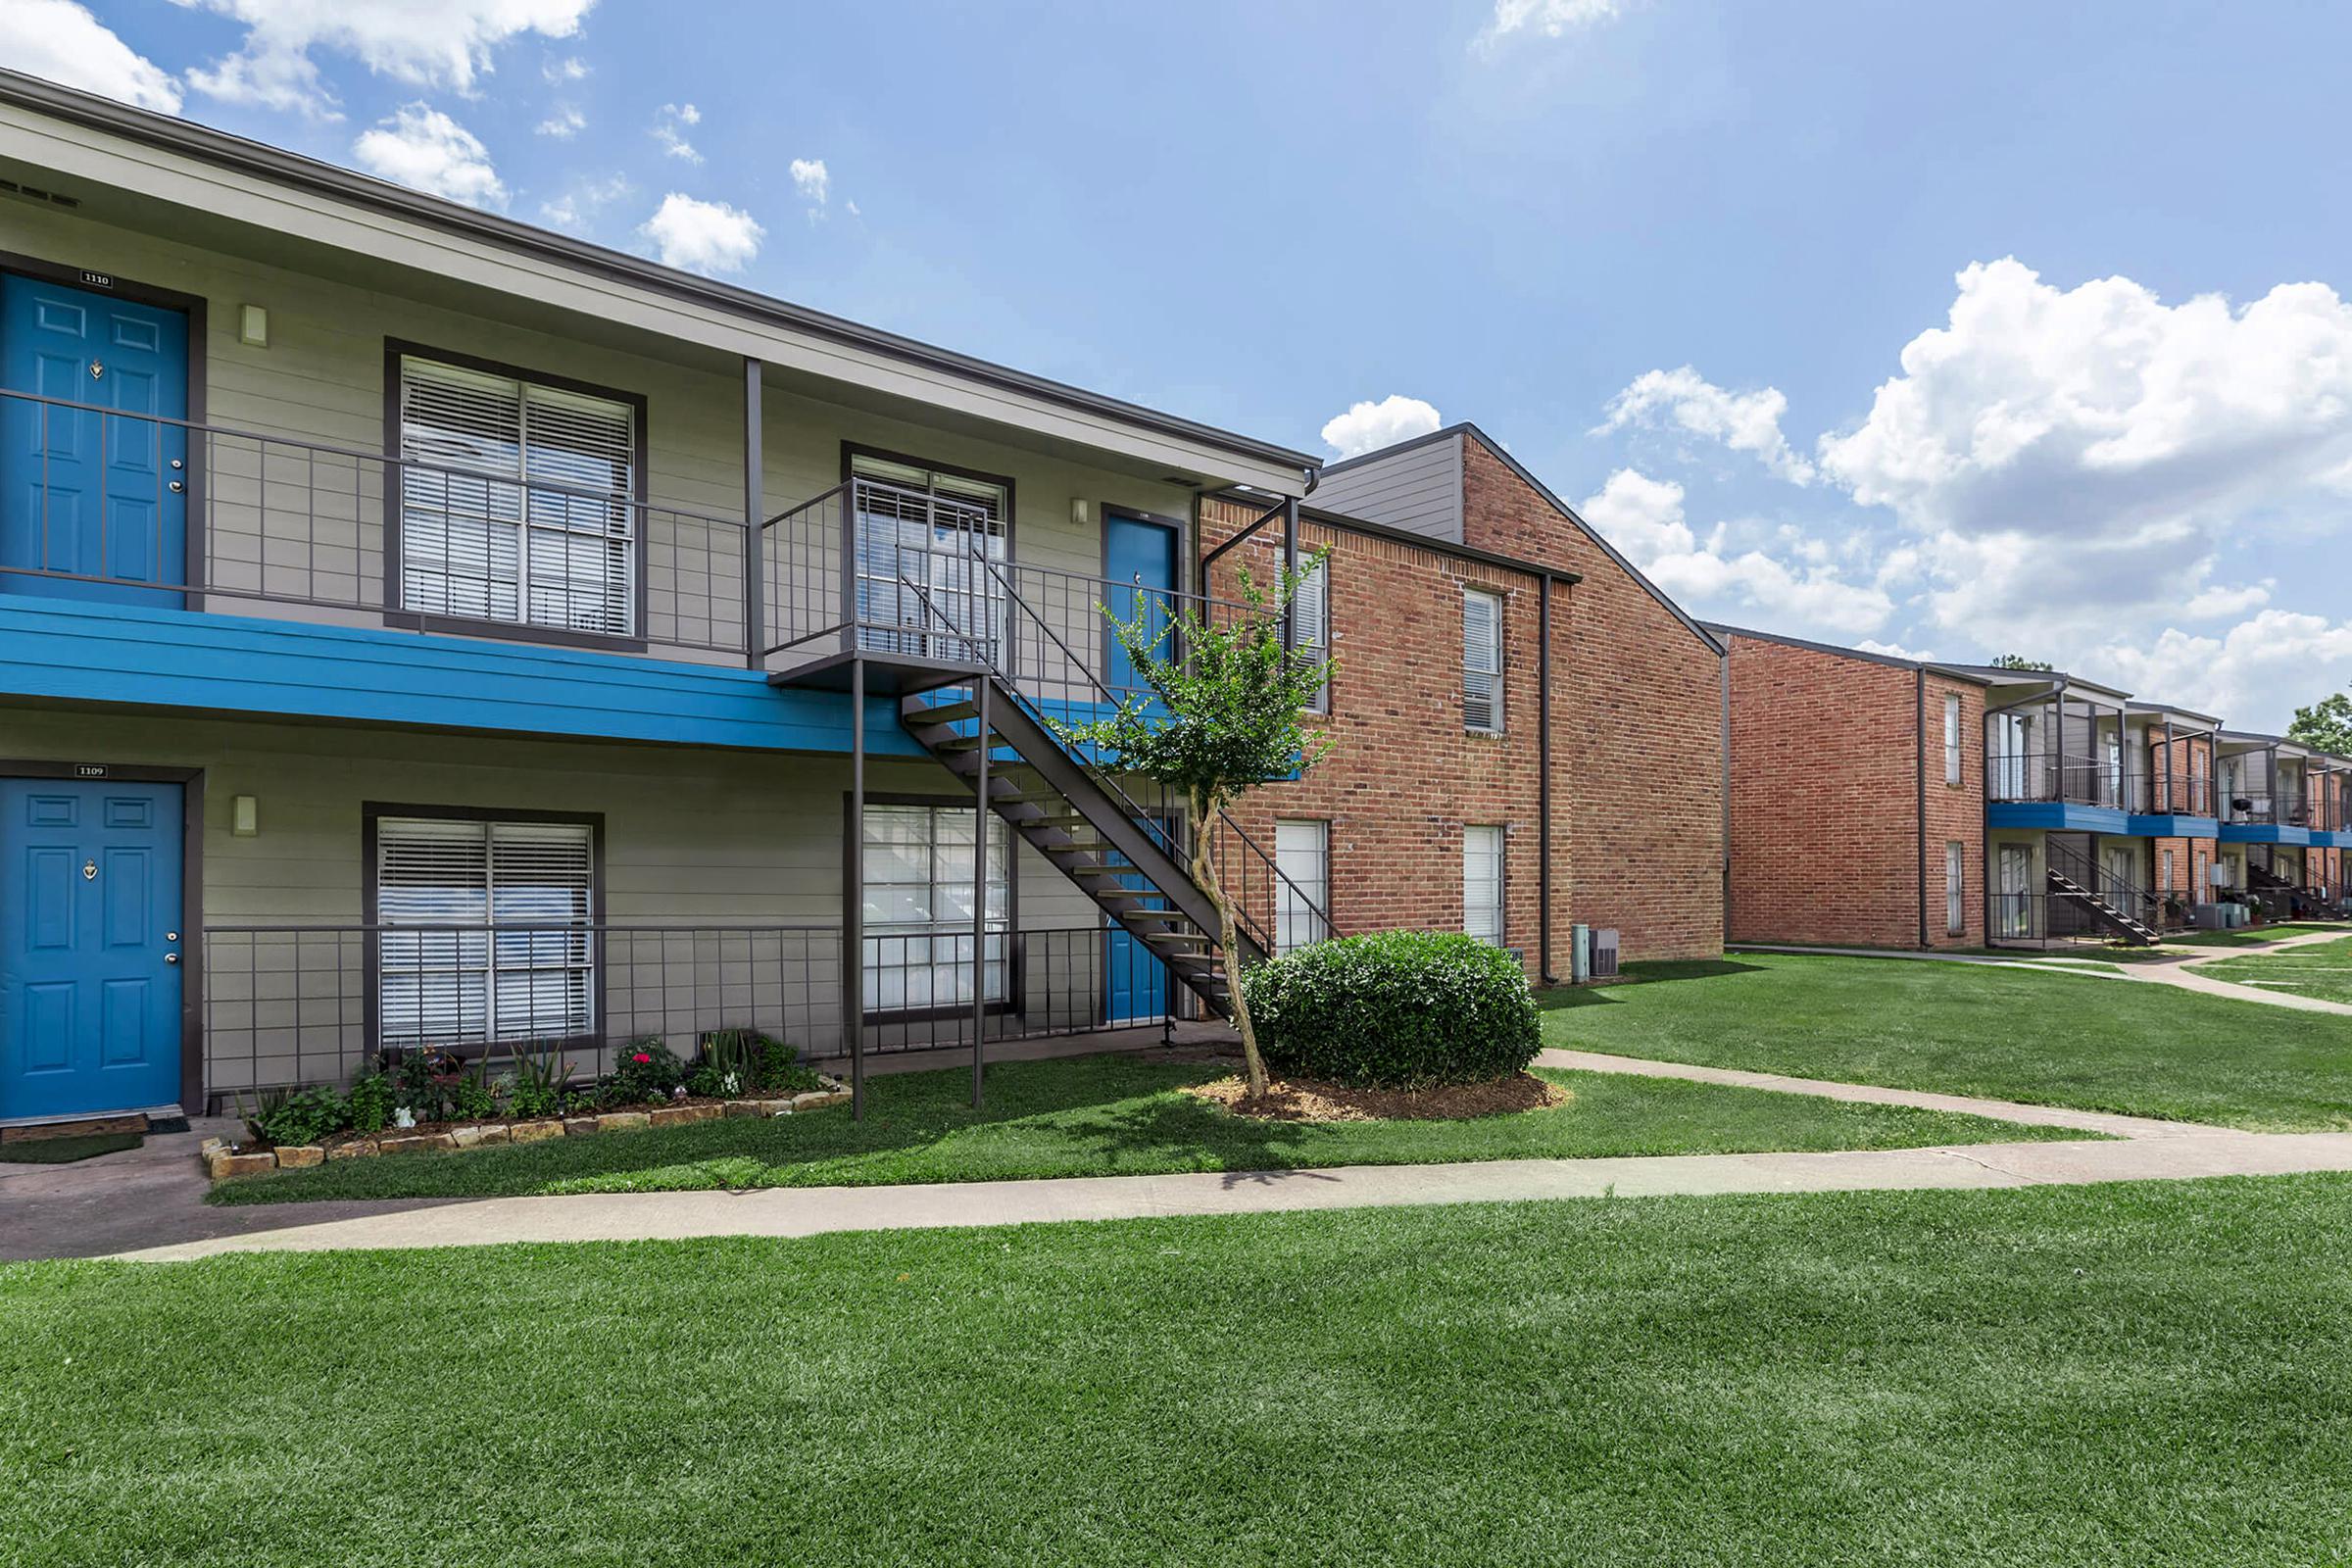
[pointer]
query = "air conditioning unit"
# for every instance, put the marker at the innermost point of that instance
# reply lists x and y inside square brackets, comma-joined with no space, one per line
[1605,953]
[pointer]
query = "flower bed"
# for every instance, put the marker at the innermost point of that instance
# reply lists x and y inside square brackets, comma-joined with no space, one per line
[418,1100]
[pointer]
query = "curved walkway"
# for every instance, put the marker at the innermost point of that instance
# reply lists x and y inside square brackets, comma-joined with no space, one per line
[2179,973]
[2137,1150]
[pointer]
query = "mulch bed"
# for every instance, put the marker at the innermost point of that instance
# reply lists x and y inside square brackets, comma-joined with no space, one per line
[1307,1100]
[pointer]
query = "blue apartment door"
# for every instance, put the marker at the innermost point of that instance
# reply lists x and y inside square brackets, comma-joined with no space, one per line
[89,947]
[1139,560]
[83,493]
[1137,979]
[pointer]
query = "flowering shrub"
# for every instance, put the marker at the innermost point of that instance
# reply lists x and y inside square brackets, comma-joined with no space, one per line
[647,1070]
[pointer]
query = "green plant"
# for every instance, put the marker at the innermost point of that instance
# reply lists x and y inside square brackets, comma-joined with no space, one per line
[472,1097]
[1396,1009]
[648,1069]
[1220,716]
[425,1082]
[540,1077]
[370,1101]
[299,1116]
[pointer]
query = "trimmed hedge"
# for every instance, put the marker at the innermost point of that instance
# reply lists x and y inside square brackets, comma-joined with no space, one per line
[1394,1009]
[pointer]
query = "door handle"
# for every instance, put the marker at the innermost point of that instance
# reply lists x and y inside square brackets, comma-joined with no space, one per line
[177,487]
[171,957]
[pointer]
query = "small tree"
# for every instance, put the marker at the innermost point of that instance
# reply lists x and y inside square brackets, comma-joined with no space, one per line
[1222,718]
[2325,725]
[2020,661]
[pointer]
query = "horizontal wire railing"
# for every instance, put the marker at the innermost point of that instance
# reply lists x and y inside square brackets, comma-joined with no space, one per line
[147,507]
[301,1005]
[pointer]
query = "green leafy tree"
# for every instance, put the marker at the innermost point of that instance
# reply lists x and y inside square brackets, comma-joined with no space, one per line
[2020,661]
[1220,716]
[2325,725]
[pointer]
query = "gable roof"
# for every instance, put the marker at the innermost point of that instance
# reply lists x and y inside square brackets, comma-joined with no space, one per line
[1464,430]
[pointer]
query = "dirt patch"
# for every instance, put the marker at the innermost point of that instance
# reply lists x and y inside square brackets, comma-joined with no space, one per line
[1307,1100]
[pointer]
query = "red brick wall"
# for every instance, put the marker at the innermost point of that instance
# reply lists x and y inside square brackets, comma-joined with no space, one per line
[1826,753]
[1637,753]
[2189,754]
[1638,734]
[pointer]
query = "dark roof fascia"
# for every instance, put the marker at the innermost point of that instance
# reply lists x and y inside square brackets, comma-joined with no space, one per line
[1406,536]
[311,175]
[1725,633]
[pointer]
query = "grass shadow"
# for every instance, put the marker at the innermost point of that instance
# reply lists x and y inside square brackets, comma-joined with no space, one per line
[1662,973]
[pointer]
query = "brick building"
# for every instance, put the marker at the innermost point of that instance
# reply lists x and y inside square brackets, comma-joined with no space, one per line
[1433,809]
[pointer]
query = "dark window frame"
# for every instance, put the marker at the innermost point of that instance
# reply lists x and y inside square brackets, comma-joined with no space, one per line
[371,812]
[641,445]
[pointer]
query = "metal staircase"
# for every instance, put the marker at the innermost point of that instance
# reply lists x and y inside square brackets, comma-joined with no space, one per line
[1071,812]
[2077,882]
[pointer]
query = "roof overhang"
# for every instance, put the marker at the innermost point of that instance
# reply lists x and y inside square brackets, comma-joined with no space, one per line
[83,140]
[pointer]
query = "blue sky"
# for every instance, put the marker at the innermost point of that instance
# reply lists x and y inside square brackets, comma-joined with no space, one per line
[1954,329]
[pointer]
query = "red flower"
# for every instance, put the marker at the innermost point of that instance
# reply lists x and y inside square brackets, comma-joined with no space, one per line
[641,1059]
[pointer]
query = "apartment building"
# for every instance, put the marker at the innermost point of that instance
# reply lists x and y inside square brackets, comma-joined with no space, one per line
[418,628]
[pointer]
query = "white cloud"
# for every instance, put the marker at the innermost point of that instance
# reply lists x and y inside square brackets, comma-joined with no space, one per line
[814,183]
[1369,427]
[2251,675]
[576,206]
[1643,519]
[61,42]
[431,44]
[669,131]
[703,236]
[1870,645]
[570,68]
[1745,421]
[2082,460]
[1552,18]
[564,123]
[423,148]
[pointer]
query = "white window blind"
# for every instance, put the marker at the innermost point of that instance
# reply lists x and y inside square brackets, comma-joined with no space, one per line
[1481,883]
[918,907]
[499,946]
[1310,616]
[1951,740]
[1955,876]
[1482,661]
[1303,854]
[517,502]
[923,587]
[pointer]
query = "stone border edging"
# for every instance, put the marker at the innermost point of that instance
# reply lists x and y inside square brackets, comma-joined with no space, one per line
[223,1159]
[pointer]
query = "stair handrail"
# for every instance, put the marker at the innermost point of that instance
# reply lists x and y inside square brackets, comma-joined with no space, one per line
[1277,878]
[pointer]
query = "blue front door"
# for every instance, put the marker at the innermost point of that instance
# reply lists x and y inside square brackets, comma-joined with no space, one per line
[89,947]
[1137,988]
[97,498]
[1139,560]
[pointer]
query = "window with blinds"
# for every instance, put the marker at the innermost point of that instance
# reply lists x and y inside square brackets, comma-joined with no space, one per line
[1482,661]
[1303,854]
[485,931]
[1310,618]
[923,540]
[1481,883]
[918,907]
[517,502]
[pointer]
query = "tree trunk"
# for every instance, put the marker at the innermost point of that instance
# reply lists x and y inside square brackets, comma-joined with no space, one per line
[1205,873]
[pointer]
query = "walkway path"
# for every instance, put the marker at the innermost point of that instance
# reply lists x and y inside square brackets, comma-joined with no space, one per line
[2141,1149]
[2180,972]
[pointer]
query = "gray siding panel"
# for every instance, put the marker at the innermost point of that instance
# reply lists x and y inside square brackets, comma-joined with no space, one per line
[1419,489]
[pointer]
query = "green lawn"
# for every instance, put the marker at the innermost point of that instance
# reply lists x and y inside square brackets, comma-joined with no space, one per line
[1116,1115]
[2249,936]
[2035,1034]
[2323,970]
[2151,1374]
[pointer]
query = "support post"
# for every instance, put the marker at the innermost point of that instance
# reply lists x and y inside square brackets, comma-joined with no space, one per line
[1544,778]
[853,899]
[754,570]
[850,633]
[1290,565]
[980,686]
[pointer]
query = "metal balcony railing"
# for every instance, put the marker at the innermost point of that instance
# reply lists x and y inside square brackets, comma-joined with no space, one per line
[143,509]
[298,1005]
[2038,776]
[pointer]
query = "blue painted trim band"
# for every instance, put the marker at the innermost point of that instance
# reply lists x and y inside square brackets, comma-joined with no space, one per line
[2262,833]
[2055,816]
[2165,825]
[83,651]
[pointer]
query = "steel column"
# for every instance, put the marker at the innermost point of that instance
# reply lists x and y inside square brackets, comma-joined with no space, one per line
[1290,567]
[755,575]
[853,899]
[980,812]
